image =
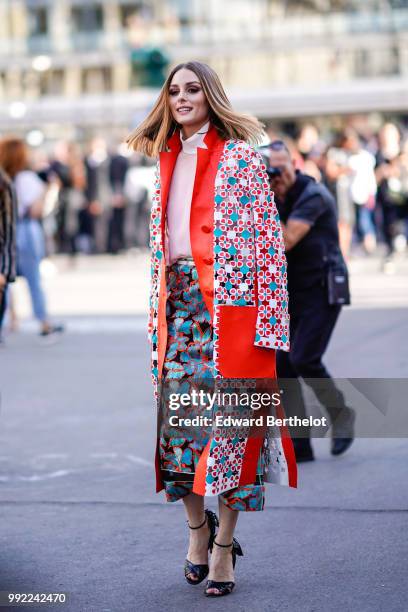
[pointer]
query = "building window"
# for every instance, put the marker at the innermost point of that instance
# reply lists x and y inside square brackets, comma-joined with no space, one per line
[37,21]
[399,4]
[183,10]
[129,10]
[52,83]
[96,80]
[87,19]
[376,62]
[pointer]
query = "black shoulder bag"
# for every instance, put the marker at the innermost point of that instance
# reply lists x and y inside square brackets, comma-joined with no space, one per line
[338,289]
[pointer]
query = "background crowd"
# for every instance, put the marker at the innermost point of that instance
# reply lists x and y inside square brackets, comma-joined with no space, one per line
[98,196]
[368,176]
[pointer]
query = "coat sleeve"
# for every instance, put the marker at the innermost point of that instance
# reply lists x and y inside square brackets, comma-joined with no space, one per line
[8,216]
[272,325]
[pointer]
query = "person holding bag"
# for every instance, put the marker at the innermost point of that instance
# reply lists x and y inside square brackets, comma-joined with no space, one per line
[318,288]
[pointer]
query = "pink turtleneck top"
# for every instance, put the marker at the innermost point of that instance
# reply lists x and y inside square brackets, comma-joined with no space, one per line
[180,195]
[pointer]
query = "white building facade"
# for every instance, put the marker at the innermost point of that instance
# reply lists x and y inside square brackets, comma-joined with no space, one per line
[68,62]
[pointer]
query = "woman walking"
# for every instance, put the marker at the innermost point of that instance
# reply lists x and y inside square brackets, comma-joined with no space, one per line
[30,192]
[218,304]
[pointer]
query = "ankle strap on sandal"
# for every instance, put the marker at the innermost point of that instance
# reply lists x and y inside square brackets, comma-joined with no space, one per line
[223,545]
[198,526]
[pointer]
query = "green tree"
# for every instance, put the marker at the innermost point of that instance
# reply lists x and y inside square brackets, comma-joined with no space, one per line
[149,66]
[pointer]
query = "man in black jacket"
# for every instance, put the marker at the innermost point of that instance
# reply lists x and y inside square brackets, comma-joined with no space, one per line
[308,214]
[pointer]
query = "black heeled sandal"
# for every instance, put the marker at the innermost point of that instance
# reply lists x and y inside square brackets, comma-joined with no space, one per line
[201,570]
[225,588]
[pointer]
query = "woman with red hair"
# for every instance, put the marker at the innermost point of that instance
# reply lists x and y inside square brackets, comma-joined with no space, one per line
[30,192]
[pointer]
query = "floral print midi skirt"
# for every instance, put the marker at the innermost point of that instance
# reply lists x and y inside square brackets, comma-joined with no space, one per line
[189,357]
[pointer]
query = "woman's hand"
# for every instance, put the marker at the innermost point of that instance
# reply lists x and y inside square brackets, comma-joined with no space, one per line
[95,208]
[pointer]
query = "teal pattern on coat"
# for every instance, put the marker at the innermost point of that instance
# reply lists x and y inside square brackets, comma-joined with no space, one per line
[189,360]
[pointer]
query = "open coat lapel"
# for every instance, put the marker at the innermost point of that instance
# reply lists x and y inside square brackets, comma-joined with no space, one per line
[202,214]
[167,163]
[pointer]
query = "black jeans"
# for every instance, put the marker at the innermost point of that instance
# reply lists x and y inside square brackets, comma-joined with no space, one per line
[311,326]
[116,236]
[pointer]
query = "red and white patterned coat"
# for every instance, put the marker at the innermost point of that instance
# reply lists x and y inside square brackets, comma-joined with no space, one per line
[238,250]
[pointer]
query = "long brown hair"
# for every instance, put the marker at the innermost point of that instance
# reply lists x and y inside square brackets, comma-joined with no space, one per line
[13,155]
[151,135]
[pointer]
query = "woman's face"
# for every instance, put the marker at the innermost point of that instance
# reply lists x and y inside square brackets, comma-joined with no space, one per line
[188,103]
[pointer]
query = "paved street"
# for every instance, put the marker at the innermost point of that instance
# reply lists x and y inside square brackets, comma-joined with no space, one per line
[79,513]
